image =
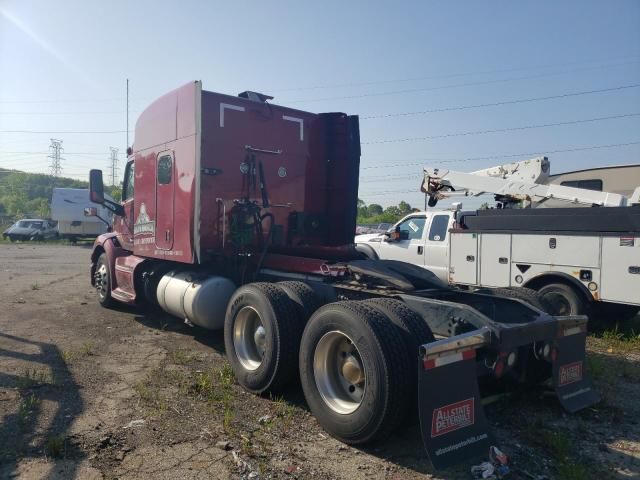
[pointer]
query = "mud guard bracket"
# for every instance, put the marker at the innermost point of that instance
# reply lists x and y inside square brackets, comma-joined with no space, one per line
[452,421]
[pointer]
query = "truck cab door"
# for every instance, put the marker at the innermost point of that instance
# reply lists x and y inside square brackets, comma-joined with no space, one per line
[165,190]
[123,225]
[436,245]
[410,250]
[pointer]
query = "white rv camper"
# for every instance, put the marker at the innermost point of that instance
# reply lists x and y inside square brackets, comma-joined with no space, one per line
[67,208]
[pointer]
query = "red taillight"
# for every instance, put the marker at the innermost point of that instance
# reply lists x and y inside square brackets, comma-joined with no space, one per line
[498,368]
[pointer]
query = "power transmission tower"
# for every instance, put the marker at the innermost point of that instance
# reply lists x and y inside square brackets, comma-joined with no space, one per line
[114,166]
[55,150]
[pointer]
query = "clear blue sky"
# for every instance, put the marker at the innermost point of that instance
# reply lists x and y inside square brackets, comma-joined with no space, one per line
[63,67]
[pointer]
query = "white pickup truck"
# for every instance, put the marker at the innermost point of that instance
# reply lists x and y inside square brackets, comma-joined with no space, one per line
[575,258]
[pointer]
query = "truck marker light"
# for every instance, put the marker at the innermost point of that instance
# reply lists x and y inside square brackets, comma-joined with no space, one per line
[519,278]
[593,286]
[498,368]
[511,359]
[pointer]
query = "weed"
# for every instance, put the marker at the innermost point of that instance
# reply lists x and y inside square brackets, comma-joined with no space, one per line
[55,446]
[35,286]
[87,349]
[227,420]
[27,406]
[68,356]
[573,471]
[557,443]
[34,377]
[182,357]
[226,375]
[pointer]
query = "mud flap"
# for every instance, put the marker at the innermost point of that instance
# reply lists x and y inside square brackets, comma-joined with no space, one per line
[571,383]
[452,421]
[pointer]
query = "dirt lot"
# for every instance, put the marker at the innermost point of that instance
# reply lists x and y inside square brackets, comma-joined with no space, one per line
[92,393]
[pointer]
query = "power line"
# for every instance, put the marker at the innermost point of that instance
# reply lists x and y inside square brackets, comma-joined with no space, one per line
[505,102]
[499,130]
[444,87]
[62,131]
[493,157]
[449,75]
[66,153]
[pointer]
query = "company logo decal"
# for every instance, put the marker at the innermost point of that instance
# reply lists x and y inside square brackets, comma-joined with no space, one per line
[144,224]
[452,417]
[570,373]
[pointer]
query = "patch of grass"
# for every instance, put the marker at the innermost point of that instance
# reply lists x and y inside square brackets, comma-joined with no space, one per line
[26,409]
[86,350]
[35,377]
[35,286]
[68,356]
[573,471]
[182,357]
[557,443]
[56,446]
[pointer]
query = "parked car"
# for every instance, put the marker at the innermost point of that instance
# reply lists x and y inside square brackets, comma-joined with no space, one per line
[31,229]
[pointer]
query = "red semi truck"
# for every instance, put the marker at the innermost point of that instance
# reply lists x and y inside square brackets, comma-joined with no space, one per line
[238,214]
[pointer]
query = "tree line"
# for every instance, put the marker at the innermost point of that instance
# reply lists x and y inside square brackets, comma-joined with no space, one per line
[23,194]
[374,213]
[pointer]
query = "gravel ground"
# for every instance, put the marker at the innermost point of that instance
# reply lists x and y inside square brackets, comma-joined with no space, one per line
[92,393]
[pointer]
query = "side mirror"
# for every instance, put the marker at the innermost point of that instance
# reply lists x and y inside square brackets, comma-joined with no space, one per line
[91,212]
[96,187]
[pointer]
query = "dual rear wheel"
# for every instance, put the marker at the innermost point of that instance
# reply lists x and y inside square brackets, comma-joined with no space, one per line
[356,360]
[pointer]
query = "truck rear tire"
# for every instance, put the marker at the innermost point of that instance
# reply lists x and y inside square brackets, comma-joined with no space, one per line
[262,337]
[354,371]
[303,297]
[562,299]
[102,281]
[414,331]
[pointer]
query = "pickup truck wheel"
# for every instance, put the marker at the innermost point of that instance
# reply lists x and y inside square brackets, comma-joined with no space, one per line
[262,337]
[562,299]
[354,371]
[303,297]
[102,281]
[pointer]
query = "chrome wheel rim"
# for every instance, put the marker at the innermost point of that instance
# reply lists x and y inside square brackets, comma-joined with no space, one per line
[102,280]
[339,372]
[249,338]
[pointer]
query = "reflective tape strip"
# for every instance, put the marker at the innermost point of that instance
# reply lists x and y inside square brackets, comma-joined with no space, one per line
[447,359]
[574,330]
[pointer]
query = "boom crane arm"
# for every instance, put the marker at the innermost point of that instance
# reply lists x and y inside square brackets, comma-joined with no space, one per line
[514,182]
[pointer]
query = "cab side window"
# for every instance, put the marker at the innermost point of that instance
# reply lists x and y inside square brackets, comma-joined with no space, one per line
[439,226]
[129,180]
[165,167]
[415,227]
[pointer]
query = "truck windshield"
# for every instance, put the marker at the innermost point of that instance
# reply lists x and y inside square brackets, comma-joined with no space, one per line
[28,224]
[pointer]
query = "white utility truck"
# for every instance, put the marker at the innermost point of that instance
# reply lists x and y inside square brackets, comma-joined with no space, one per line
[576,258]
[67,208]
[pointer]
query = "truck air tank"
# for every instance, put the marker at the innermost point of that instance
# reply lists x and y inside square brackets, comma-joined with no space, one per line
[198,298]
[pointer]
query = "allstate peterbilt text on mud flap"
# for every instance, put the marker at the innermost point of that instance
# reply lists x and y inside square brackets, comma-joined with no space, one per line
[238,214]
